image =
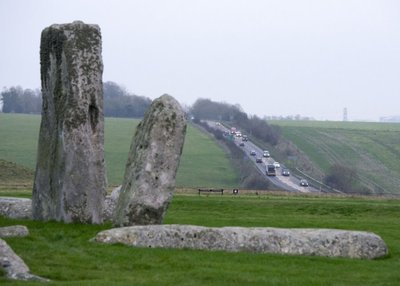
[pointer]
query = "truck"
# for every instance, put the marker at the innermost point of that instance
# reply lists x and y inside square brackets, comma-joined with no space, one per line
[270,170]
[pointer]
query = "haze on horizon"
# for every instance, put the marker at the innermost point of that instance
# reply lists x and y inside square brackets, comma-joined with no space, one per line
[312,58]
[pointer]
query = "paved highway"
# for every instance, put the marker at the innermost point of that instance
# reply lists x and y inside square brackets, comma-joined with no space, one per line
[289,183]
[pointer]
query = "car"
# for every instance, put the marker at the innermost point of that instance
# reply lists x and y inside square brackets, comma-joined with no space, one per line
[258,160]
[266,154]
[303,183]
[252,152]
[277,165]
[241,144]
[245,138]
[285,172]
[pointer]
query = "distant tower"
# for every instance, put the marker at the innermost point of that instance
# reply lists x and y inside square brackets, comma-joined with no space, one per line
[345,114]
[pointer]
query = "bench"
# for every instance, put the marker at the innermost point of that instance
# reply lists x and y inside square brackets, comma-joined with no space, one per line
[211,191]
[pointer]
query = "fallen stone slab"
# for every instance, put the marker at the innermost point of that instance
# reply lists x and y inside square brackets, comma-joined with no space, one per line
[14,231]
[17,208]
[314,242]
[14,267]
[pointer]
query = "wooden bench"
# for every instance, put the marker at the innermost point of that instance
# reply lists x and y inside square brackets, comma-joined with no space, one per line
[211,191]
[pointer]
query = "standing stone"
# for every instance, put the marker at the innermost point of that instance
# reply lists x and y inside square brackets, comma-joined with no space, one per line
[153,160]
[70,176]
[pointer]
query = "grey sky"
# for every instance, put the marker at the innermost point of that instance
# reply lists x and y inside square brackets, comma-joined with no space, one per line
[272,57]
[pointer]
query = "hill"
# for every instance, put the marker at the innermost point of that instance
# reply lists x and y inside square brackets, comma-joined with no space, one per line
[12,174]
[370,149]
[203,163]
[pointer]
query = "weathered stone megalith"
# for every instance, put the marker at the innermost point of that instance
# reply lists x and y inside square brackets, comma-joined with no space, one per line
[19,208]
[153,160]
[315,242]
[70,176]
[14,231]
[14,267]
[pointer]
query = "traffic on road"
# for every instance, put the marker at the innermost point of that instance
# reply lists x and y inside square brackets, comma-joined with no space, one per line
[274,171]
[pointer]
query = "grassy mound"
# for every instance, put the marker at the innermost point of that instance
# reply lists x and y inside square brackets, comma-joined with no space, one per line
[14,174]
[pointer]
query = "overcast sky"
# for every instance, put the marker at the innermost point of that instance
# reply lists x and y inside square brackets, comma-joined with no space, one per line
[278,57]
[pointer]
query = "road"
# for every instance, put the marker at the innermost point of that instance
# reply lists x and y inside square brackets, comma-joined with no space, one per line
[288,183]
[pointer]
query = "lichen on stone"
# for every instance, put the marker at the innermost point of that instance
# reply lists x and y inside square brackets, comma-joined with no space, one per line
[70,151]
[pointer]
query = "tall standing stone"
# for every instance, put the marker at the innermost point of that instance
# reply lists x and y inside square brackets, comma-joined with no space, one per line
[152,164]
[70,176]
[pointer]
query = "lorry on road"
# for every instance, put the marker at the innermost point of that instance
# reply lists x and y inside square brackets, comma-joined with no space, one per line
[270,170]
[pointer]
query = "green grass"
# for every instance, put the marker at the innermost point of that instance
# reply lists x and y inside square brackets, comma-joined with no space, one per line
[372,149]
[203,163]
[63,253]
[18,138]
[117,138]
[374,126]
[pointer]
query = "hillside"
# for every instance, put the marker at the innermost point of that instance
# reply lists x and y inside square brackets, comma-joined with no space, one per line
[12,174]
[371,149]
[203,162]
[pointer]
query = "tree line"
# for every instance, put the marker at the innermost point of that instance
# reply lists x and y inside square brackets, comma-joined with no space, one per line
[19,100]
[206,109]
[118,102]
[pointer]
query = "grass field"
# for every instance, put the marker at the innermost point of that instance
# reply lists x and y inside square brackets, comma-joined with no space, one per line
[203,163]
[372,149]
[64,254]
[373,126]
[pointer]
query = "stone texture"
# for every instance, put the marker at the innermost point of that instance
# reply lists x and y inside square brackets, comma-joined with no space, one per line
[110,203]
[153,160]
[70,176]
[14,267]
[20,208]
[17,208]
[315,242]
[13,231]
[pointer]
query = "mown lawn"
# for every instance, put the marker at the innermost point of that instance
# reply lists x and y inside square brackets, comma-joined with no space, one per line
[63,252]
[203,163]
